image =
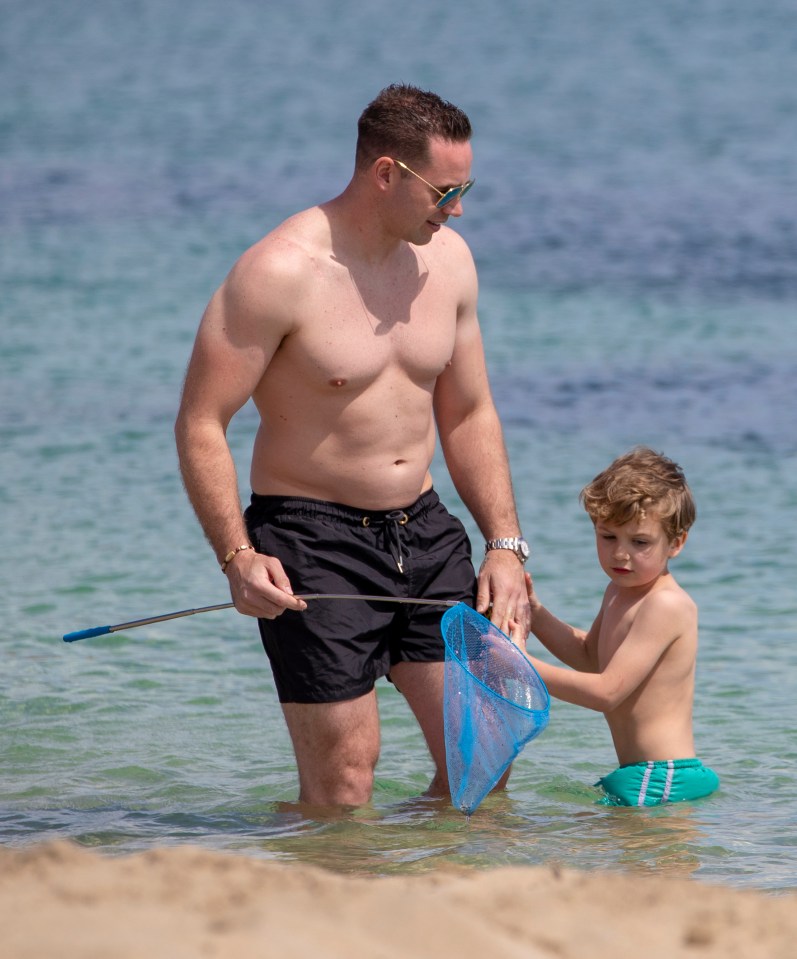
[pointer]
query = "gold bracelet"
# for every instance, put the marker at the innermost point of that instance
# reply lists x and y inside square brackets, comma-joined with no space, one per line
[233,553]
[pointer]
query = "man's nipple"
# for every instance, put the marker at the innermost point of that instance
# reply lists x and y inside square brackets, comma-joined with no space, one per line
[337,382]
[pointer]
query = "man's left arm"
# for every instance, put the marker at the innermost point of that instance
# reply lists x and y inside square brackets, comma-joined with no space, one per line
[472,441]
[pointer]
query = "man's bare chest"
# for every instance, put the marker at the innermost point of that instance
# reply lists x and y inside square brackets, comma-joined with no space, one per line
[349,333]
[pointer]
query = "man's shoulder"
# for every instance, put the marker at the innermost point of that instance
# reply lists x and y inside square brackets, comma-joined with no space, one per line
[287,250]
[448,243]
[449,255]
[302,234]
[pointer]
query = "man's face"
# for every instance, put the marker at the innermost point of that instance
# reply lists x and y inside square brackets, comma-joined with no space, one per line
[448,166]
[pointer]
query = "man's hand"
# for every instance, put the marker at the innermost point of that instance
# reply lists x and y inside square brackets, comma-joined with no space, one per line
[259,586]
[502,592]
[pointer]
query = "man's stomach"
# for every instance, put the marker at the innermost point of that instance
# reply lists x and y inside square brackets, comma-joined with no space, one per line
[374,475]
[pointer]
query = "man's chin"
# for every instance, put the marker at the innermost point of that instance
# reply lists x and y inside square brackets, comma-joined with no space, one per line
[427,233]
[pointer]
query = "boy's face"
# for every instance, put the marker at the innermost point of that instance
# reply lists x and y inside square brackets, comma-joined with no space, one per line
[635,553]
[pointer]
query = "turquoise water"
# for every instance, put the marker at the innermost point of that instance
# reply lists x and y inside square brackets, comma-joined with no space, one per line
[635,226]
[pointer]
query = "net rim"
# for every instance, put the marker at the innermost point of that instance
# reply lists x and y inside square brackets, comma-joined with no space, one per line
[456,611]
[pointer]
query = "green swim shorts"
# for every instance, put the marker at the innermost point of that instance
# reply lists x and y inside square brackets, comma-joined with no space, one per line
[654,783]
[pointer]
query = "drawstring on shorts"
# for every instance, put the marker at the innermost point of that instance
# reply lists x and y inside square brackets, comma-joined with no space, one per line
[398,518]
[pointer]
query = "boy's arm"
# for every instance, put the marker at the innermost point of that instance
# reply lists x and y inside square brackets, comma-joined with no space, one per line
[567,643]
[659,622]
[570,645]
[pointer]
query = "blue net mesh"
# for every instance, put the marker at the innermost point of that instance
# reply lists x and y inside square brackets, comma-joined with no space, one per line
[495,703]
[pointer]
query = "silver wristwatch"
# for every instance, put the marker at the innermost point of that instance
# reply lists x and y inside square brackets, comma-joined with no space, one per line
[517,544]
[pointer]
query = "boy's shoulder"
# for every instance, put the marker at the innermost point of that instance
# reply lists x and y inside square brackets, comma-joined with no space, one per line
[669,599]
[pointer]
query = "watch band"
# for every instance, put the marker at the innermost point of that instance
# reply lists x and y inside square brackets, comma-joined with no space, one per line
[516,544]
[503,542]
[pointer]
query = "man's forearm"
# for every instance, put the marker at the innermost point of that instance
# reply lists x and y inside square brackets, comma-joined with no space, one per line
[211,482]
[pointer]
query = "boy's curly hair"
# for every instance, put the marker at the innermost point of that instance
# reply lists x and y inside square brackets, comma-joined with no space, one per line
[639,483]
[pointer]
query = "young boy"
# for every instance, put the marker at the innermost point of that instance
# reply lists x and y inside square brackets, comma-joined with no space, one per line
[636,664]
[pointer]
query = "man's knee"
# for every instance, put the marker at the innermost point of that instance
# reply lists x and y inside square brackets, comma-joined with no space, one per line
[337,749]
[341,783]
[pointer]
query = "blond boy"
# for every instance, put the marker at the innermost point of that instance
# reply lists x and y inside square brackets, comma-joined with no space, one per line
[636,664]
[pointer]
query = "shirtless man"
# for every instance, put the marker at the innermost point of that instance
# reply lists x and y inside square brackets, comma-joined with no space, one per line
[353,327]
[636,664]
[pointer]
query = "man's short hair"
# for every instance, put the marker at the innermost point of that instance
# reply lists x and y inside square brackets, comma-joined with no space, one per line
[400,122]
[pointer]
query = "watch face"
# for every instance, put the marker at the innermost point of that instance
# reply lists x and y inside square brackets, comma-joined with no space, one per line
[523,548]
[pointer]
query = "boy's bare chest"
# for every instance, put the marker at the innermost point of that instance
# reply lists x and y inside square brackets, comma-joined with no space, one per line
[616,622]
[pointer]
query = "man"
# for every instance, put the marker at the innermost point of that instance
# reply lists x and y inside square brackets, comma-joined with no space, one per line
[353,328]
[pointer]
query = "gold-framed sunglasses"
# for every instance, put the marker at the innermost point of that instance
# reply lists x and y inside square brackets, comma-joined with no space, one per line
[446,196]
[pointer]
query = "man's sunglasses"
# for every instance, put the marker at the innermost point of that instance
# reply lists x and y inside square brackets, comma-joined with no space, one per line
[446,196]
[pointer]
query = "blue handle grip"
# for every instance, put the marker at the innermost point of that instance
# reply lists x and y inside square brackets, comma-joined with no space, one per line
[86,633]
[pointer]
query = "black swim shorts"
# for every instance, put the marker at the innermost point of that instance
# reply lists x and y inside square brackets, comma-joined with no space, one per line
[337,649]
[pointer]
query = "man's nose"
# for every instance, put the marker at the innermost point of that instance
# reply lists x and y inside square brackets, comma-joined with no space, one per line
[454,208]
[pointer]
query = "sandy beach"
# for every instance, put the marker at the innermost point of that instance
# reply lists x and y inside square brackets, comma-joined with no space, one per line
[61,900]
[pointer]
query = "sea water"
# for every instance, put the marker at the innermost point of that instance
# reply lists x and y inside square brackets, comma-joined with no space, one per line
[634,222]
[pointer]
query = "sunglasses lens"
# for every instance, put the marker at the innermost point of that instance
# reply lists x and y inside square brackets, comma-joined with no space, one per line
[449,196]
[455,193]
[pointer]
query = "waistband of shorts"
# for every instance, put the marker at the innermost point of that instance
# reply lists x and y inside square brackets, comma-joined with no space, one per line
[660,763]
[341,512]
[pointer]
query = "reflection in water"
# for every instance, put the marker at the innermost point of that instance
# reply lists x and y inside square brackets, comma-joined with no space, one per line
[663,840]
[418,835]
[410,836]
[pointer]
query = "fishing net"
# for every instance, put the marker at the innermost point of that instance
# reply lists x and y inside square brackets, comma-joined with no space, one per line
[495,702]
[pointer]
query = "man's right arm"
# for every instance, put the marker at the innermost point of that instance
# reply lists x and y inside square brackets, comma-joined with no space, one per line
[233,347]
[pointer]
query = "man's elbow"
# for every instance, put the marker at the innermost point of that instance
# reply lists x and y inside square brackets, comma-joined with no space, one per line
[180,427]
[188,429]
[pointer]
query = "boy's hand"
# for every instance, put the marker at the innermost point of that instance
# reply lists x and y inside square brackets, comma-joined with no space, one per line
[534,603]
[517,631]
[518,634]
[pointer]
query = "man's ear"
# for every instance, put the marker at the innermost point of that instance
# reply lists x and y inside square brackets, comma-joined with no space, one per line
[384,171]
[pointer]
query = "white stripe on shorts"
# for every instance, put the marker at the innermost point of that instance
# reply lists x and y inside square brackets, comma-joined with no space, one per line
[668,783]
[643,789]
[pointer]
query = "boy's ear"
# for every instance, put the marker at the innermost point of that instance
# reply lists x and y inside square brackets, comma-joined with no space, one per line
[678,543]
